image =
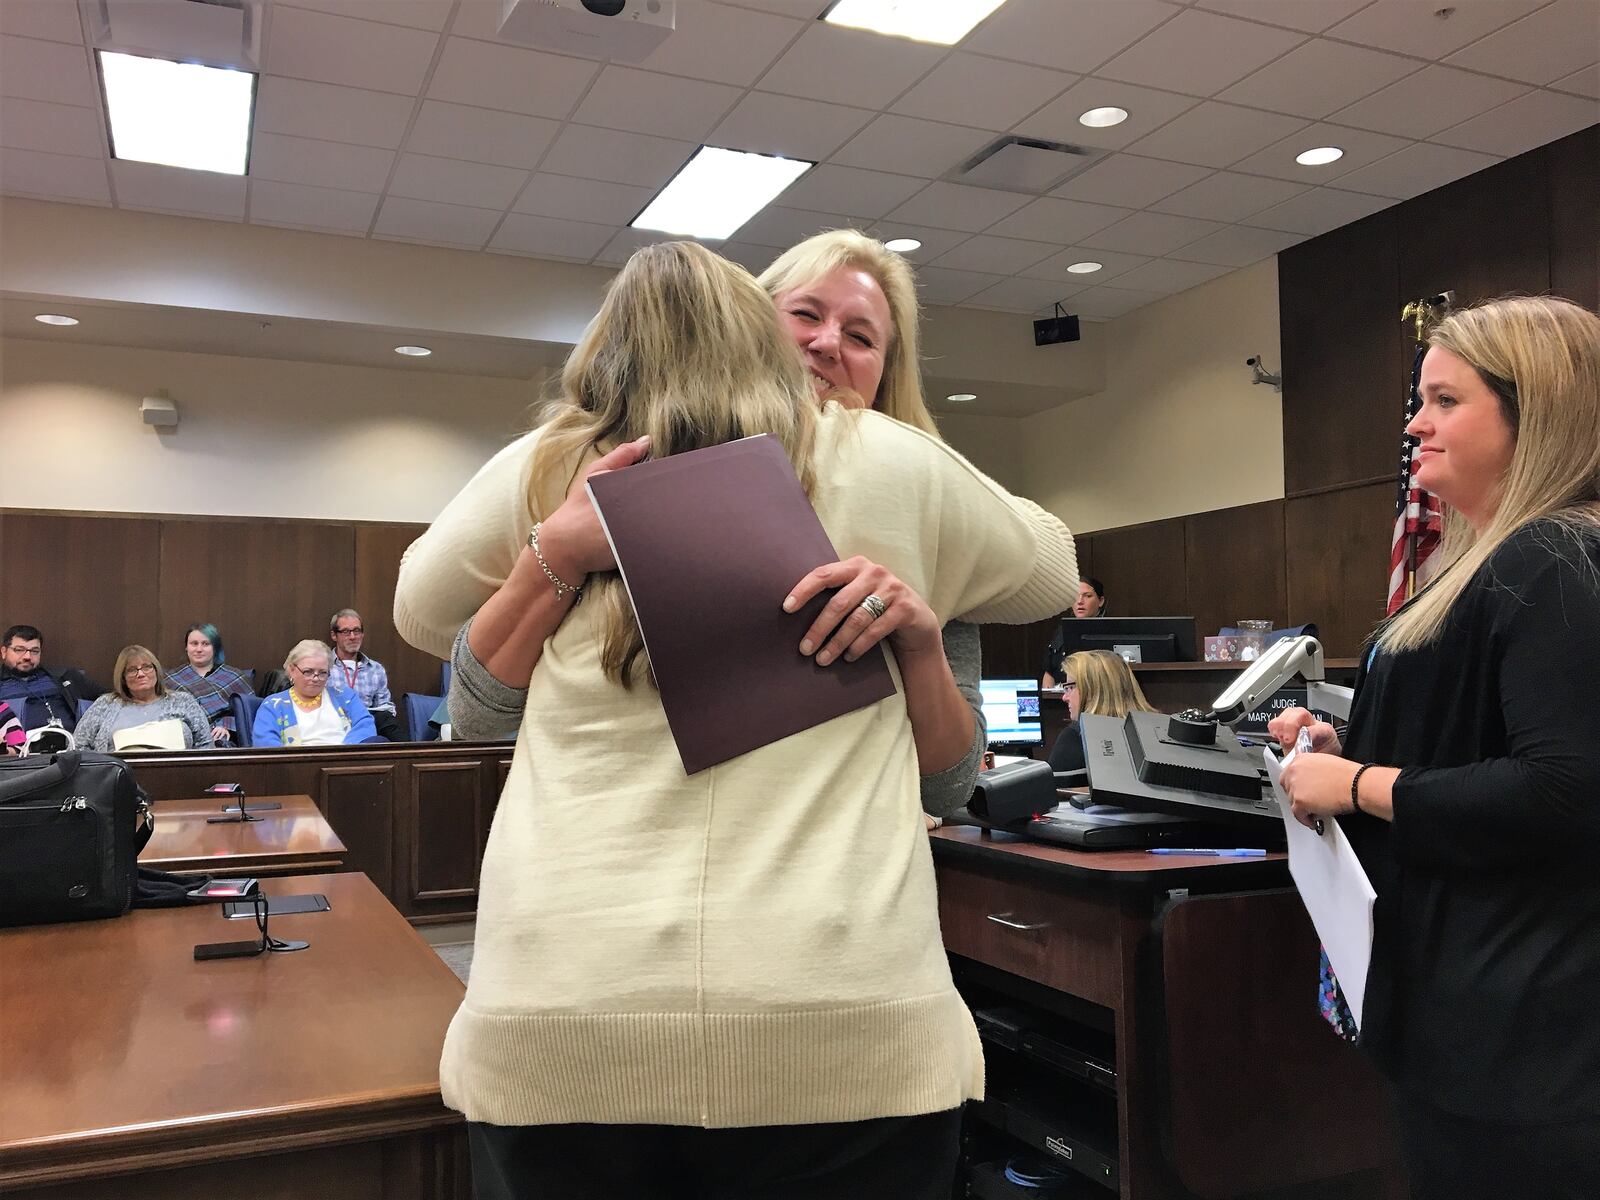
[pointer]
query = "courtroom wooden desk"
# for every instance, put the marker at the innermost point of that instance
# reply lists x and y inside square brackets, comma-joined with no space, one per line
[1203,973]
[294,839]
[132,1071]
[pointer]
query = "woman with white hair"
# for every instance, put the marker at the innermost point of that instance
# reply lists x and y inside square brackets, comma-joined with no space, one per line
[308,714]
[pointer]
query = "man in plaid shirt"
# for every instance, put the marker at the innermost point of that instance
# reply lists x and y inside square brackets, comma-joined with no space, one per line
[355,672]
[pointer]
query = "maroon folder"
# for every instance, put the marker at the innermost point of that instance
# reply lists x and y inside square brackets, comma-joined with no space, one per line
[709,544]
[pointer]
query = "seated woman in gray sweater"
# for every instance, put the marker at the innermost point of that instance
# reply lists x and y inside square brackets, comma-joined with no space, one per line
[141,712]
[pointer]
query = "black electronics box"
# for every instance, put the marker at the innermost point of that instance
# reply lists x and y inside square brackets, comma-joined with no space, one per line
[1053,330]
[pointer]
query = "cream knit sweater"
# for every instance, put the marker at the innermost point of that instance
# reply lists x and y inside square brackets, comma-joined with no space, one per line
[758,943]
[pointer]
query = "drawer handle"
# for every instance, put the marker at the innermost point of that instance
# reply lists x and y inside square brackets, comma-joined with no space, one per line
[1004,919]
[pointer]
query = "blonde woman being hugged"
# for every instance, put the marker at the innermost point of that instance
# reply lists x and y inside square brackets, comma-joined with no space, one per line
[141,712]
[1101,684]
[730,982]
[1469,778]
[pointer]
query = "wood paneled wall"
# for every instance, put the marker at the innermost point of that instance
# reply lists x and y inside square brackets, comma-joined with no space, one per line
[93,582]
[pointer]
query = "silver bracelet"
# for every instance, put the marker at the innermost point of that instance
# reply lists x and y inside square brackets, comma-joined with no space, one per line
[561,588]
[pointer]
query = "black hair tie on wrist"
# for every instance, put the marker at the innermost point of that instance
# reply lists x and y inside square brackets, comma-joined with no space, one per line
[1355,786]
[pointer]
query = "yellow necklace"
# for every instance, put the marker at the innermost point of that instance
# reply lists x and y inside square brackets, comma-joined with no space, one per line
[305,705]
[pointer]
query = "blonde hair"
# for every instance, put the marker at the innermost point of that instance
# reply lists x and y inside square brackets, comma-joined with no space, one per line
[900,391]
[1106,686]
[1540,355]
[131,656]
[308,646]
[688,349]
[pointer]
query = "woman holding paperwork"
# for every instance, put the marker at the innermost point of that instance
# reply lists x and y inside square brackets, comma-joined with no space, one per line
[1469,778]
[732,982]
[140,712]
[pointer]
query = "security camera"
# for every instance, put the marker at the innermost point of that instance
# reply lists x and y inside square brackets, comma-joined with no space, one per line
[1259,374]
[605,8]
[1253,361]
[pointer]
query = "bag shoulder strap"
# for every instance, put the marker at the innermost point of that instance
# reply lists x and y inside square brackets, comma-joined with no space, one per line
[20,783]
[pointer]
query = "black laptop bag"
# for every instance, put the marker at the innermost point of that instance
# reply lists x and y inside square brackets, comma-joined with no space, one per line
[70,826]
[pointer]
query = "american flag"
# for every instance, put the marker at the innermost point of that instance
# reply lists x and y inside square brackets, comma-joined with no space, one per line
[1418,519]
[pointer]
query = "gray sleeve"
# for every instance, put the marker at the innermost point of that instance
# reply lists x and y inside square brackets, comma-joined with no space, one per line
[195,718]
[87,733]
[482,709]
[950,789]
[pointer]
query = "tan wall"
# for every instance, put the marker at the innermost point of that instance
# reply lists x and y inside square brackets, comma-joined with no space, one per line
[1179,427]
[257,437]
[992,444]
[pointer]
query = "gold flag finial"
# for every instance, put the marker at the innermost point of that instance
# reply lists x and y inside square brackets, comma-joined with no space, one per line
[1427,312]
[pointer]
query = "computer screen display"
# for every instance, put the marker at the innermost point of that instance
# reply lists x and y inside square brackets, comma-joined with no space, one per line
[1138,639]
[1012,718]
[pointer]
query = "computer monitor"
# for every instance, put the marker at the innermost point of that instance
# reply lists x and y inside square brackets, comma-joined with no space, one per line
[1011,711]
[1138,639]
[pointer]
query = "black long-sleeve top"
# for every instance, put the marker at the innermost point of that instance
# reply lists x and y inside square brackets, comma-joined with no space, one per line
[1484,990]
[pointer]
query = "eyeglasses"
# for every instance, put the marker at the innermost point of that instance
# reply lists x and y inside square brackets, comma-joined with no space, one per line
[31,651]
[1070,685]
[311,674]
[144,670]
[357,629]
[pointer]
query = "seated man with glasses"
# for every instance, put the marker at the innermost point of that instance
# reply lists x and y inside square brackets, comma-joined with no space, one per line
[360,673]
[38,694]
[309,713]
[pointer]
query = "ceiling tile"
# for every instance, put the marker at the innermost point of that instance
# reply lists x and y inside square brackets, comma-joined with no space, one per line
[850,189]
[1540,48]
[752,258]
[582,199]
[1228,197]
[1216,135]
[1200,53]
[321,164]
[1313,16]
[1061,221]
[1433,99]
[1147,109]
[1320,210]
[363,54]
[940,285]
[451,181]
[53,128]
[934,241]
[644,102]
[726,45]
[781,227]
[510,78]
[805,9]
[481,135]
[768,124]
[1408,27]
[550,237]
[1113,264]
[1151,233]
[418,14]
[1585,82]
[307,109]
[1070,35]
[1418,168]
[1360,147]
[621,247]
[608,154]
[1239,245]
[48,19]
[1130,181]
[54,176]
[302,207]
[1169,276]
[1107,302]
[967,89]
[1024,295]
[1315,78]
[1006,256]
[1524,123]
[850,66]
[956,206]
[911,146]
[437,224]
[37,70]
[173,190]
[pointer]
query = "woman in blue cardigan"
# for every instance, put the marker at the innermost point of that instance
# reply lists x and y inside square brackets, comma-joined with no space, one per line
[309,714]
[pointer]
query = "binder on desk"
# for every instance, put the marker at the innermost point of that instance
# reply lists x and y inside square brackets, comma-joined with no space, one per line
[709,543]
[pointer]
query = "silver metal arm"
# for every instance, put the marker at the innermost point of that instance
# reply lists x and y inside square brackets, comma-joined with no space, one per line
[1282,662]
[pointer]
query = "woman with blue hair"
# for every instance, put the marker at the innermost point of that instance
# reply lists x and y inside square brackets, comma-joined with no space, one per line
[208,678]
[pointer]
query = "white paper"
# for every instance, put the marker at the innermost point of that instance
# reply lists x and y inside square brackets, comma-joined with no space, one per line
[1335,891]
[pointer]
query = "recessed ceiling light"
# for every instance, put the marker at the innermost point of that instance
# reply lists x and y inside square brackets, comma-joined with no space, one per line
[55,319]
[944,22]
[1084,268]
[413,351]
[717,191]
[1103,118]
[1321,156]
[962,397]
[178,114]
[902,245]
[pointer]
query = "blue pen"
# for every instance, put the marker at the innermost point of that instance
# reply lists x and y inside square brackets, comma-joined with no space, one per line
[1210,853]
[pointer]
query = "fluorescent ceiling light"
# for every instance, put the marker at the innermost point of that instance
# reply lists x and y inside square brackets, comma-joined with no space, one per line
[1084,268]
[944,22]
[178,114]
[961,397]
[902,245]
[717,191]
[1319,157]
[413,351]
[55,319]
[1102,118]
